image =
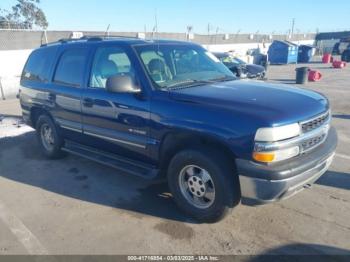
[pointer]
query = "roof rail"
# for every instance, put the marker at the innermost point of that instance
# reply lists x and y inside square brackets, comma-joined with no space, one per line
[89,38]
[62,40]
[101,37]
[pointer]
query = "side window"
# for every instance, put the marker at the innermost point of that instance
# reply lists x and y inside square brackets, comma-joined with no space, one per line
[39,64]
[70,68]
[109,61]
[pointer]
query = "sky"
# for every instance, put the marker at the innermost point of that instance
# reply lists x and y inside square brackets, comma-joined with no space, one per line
[228,16]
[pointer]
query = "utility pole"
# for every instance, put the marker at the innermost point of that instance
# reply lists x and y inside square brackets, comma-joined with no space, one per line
[209,40]
[216,33]
[189,32]
[292,31]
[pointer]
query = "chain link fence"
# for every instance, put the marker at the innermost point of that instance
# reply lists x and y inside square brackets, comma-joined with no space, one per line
[18,38]
[17,41]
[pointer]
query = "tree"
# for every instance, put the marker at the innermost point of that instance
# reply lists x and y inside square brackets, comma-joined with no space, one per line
[25,13]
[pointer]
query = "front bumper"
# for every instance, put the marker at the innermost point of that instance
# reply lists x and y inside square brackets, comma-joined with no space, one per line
[268,183]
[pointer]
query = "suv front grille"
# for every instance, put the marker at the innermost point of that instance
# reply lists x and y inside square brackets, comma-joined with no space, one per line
[310,143]
[315,123]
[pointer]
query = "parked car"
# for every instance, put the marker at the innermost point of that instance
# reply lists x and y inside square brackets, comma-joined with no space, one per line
[346,55]
[240,68]
[168,109]
[335,50]
[341,46]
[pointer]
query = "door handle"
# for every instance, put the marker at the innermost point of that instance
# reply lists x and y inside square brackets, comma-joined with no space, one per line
[88,102]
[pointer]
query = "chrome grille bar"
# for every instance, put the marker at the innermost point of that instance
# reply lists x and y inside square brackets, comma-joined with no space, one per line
[315,123]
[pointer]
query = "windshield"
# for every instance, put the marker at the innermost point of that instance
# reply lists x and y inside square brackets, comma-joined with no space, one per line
[172,66]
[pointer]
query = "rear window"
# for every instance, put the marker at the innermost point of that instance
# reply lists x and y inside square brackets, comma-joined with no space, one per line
[70,68]
[39,64]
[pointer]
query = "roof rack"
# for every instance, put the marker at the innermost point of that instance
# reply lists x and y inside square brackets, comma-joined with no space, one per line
[104,37]
[62,40]
[89,38]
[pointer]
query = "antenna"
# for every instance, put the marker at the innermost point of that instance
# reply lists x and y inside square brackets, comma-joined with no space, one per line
[156,22]
[155,29]
[107,30]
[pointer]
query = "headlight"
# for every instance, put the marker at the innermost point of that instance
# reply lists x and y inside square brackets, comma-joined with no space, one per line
[273,134]
[267,150]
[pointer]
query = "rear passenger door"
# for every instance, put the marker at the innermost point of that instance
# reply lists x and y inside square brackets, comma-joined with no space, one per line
[66,91]
[117,122]
[35,80]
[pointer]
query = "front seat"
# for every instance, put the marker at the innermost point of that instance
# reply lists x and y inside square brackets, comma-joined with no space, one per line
[159,71]
[104,70]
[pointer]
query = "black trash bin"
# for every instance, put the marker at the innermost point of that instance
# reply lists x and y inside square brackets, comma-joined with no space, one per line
[301,75]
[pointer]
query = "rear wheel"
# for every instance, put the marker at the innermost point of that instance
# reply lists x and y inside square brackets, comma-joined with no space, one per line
[203,184]
[48,136]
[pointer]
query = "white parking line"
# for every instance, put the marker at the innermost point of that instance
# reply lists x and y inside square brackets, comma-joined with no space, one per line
[343,156]
[22,233]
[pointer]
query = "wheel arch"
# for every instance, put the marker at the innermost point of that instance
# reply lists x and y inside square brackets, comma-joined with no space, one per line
[174,142]
[36,112]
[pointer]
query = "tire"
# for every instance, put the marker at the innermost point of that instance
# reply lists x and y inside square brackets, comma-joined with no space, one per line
[223,180]
[51,147]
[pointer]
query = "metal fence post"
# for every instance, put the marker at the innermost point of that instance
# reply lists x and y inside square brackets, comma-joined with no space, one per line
[45,34]
[2,91]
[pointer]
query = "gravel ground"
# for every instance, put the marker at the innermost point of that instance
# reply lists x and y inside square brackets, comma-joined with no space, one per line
[75,206]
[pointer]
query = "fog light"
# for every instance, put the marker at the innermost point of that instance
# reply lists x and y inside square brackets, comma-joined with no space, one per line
[263,157]
[275,156]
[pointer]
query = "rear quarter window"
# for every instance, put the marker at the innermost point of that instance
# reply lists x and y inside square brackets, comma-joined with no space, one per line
[39,65]
[70,68]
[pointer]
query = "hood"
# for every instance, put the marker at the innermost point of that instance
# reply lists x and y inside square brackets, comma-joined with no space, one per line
[271,104]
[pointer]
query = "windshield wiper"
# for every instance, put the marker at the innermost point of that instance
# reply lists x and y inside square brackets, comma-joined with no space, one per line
[194,82]
[187,83]
[223,79]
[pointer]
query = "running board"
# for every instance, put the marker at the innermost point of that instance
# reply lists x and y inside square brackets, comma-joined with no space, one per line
[112,160]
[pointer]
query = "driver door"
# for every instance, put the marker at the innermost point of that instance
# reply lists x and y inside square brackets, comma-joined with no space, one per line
[115,122]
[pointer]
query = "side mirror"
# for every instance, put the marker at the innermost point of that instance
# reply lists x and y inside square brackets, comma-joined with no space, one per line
[121,84]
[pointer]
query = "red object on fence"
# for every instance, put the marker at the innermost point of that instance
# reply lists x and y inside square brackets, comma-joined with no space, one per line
[339,64]
[326,59]
[314,76]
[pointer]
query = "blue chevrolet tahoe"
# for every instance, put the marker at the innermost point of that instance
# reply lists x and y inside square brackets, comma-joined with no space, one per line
[170,109]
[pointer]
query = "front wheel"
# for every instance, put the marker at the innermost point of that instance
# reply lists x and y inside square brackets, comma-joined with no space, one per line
[203,184]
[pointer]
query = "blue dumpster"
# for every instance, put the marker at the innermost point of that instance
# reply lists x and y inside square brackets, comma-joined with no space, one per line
[283,52]
[305,53]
